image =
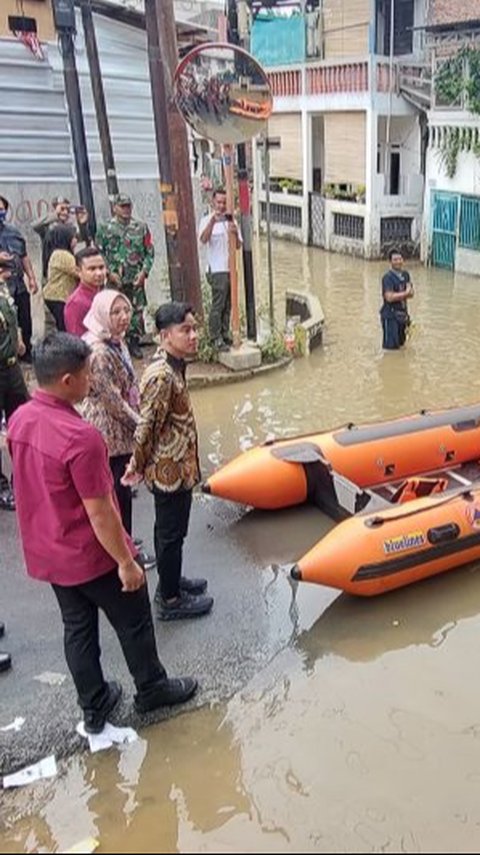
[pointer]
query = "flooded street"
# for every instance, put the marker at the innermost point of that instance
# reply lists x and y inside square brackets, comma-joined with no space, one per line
[361,731]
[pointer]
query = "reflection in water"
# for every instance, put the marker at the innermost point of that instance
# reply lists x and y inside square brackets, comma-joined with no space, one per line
[185,778]
[364,629]
[361,733]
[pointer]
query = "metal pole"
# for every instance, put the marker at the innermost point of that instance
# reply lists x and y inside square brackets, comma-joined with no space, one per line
[235,37]
[269,235]
[167,188]
[186,222]
[99,99]
[390,82]
[77,127]
[247,255]
[232,243]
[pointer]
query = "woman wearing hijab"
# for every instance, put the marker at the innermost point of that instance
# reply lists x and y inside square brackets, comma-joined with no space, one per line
[62,275]
[112,403]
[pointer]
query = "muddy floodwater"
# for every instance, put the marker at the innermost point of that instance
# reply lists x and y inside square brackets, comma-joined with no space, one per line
[362,732]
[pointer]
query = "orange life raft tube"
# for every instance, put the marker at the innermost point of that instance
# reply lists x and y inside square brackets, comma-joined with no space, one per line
[407,493]
[274,475]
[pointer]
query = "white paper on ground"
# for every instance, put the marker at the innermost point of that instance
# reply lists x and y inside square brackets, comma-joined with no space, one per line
[51,678]
[46,768]
[16,725]
[109,736]
[84,847]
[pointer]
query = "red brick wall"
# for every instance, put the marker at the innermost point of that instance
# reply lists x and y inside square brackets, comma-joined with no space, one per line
[453,11]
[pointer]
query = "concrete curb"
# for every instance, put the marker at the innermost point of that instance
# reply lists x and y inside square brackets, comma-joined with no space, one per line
[202,381]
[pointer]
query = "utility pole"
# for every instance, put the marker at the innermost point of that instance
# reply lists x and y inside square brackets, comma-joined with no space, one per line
[99,99]
[235,37]
[173,156]
[169,198]
[64,17]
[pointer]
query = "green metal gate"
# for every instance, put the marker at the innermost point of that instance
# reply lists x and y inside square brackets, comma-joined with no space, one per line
[445,224]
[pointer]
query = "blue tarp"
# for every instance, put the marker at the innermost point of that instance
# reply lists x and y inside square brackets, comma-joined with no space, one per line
[278,41]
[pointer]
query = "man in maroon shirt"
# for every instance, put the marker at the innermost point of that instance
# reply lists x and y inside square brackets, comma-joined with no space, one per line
[73,537]
[92,271]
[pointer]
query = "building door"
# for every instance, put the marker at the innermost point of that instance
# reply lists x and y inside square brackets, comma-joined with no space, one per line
[317,220]
[445,215]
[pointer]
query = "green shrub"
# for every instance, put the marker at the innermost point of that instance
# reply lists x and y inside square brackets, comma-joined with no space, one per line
[273,348]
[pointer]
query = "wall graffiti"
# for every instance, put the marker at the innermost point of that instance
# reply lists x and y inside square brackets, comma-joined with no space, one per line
[27,211]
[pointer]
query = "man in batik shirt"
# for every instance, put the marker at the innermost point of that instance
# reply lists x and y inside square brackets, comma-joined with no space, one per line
[126,244]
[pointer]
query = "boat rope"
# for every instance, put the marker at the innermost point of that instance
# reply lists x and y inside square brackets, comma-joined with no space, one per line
[377,521]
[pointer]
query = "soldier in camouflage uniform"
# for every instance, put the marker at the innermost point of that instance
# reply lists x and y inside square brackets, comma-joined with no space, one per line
[126,244]
[13,391]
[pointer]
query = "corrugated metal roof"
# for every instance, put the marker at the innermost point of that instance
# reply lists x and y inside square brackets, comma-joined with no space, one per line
[34,132]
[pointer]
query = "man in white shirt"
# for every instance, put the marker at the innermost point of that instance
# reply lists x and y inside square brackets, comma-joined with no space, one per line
[213,232]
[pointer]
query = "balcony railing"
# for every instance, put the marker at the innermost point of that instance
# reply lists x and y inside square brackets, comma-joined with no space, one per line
[348,77]
[327,78]
[285,83]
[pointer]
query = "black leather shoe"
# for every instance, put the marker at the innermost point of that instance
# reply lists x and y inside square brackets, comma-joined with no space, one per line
[2,630]
[185,606]
[5,662]
[170,691]
[193,586]
[94,720]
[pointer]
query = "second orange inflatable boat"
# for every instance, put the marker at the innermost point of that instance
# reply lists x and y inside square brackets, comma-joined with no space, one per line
[406,493]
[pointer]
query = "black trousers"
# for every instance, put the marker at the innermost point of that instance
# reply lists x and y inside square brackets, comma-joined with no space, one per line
[219,320]
[118,465]
[131,618]
[57,310]
[13,393]
[24,313]
[172,515]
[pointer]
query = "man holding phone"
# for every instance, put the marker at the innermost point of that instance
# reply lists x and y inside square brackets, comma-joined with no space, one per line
[62,212]
[214,234]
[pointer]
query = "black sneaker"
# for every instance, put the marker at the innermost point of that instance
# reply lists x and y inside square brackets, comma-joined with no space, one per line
[94,720]
[5,662]
[185,606]
[176,690]
[193,586]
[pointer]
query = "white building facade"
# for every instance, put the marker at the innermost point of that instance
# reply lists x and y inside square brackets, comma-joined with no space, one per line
[349,175]
[451,236]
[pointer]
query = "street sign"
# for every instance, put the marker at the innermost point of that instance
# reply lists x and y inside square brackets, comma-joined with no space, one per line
[64,15]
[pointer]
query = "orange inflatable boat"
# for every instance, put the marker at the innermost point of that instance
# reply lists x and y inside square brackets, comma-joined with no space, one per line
[406,494]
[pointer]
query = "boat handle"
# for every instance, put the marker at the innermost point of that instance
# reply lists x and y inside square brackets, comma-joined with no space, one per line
[444,533]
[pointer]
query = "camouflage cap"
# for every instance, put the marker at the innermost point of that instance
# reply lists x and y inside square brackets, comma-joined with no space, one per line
[122,199]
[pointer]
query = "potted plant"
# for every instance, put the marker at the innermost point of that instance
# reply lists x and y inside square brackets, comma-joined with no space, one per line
[361,193]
